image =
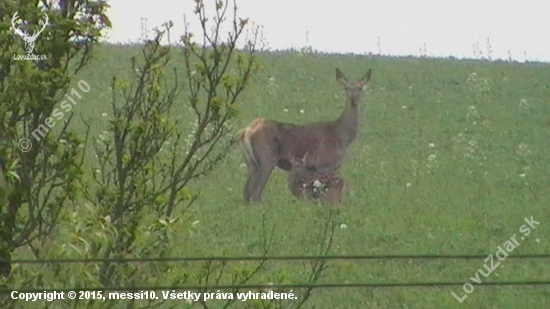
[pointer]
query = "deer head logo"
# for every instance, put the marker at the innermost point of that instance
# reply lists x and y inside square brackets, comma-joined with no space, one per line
[29,39]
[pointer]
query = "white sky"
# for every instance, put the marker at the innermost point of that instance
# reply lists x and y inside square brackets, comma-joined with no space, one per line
[516,29]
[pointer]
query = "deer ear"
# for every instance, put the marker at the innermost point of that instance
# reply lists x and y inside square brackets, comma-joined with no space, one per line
[340,77]
[366,78]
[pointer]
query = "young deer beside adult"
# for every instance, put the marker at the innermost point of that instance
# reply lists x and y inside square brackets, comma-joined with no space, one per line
[311,185]
[267,144]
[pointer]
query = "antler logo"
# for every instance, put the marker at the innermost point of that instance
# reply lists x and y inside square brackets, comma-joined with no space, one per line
[29,39]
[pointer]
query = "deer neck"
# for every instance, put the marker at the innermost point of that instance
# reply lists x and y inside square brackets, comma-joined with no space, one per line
[348,122]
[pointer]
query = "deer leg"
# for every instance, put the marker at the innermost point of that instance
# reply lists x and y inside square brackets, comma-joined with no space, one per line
[259,173]
[250,181]
[257,182]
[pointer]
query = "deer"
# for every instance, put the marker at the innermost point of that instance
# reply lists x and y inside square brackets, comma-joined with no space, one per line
[29,39]
[310,185]
[267,144]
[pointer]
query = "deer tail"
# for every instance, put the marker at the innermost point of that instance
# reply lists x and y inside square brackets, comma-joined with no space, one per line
[245,136]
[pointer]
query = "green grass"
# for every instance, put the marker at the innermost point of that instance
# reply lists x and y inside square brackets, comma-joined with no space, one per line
[490,169]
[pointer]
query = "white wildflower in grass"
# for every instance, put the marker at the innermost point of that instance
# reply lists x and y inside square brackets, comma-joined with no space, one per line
[458,142]
[104,115]
[432,163]
[285,110]
[269,288]
[414,167]
[472,78]
[468,148]
[302,111]
[404,107]
[523,150]
[165,144]
[343,226]
[432,145]
[472,148]
[408,185]
[104,136]
[478,85]
[522,175]
[271,85]
[472,112]
[523,106]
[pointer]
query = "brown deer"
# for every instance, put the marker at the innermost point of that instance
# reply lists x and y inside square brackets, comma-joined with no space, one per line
[267,144]
[311,185]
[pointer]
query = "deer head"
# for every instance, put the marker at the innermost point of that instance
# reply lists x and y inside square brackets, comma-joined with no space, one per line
[354,90]
[298,165]
[29,39]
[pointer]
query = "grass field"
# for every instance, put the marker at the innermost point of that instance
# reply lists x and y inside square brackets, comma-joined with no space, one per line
[452,155]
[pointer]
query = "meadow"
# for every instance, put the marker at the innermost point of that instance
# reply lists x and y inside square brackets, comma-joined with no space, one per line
[452,155]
